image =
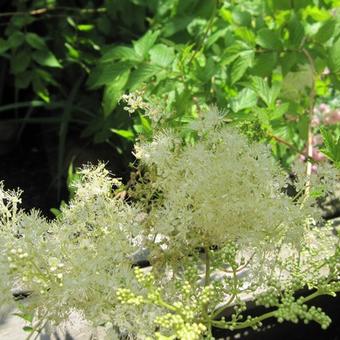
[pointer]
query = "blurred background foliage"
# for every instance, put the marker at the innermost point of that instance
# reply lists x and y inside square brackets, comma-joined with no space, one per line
[272,65]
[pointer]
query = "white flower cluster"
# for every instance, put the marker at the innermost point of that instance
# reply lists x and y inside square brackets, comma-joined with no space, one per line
[215,221]
[216,190]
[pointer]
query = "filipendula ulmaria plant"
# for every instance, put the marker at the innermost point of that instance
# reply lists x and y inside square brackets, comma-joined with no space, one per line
[212,214]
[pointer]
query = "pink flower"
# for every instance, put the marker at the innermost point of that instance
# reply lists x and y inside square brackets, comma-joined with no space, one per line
[302,158]
[332,118]
[317,140]
[324,108]
[315,121]
[318,155]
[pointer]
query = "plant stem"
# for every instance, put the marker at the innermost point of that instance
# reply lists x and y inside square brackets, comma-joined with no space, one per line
[310,132]
[207,317]
[45,10]
[248,323]
[207,267]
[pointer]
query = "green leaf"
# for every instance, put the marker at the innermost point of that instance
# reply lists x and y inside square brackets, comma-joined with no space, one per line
[267,94]
[268,39]
[127,134]
[334,57]
[278,111]
[144,127]
[246,35]
[176,25]
[72,52]
[114,91]
[240,66]
[263,117]
[40,89]
[56,212]
[27,329]
[35,41]
[317,13]
[103,74]
[326,31]
[332,146]
[120,53]
[288,60]
[296,31]
[295,83]
[162,55]
[264,64]
[215,36]
[144,44]
[23,79]
[20,61]
[16,39]
[4,46]
[25,316]
[241,18]
[245,99]
[142,74]
[85,28]
[46,58]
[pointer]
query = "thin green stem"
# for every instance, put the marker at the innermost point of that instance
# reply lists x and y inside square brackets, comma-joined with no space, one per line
[207,267]
[252,322]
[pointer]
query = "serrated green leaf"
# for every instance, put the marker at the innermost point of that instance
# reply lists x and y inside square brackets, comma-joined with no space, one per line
[264,64]
[326,31]
[334,57]
[245,99]
[104,73]
[162,55]
[114,91]
[266,93]
[332,146]
[215,36]
[120,53]
[267,38]
[288,60]
[46,58]
[141,74]
[35,41]
[176,25]
[144,44]
[317,13]
[240,66]
[246,35]
[296,31]
[278,111]
[241,18]
[295,83]
[144,127]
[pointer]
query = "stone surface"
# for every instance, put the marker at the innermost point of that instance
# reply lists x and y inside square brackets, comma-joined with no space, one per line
[11,328]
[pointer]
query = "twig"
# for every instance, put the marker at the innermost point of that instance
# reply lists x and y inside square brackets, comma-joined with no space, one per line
[208,28]
[40,11]
[291,146]
[310,132]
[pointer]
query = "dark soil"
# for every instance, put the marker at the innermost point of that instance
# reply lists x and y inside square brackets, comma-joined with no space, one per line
[25,166]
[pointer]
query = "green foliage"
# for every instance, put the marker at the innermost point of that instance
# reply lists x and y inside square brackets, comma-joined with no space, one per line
[185,55]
